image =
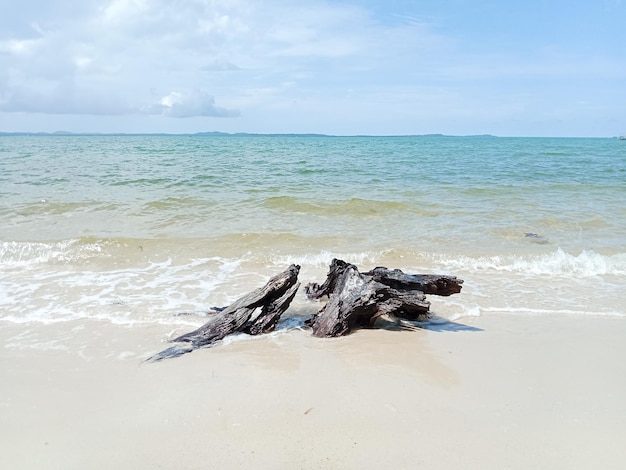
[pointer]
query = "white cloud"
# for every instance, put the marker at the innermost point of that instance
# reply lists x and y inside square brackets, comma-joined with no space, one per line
[285,62]
[17,47]
[107,62]
[219,64]
[75,100]
[194,103]
[124,48]
[63,99]
[120,10]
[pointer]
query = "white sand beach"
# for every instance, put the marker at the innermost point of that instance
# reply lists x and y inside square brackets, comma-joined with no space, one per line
[491,392]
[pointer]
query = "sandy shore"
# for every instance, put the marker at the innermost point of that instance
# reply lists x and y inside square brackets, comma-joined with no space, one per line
[518,392]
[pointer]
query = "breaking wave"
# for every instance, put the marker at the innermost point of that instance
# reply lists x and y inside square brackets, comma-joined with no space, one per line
[558,263]
[17,253]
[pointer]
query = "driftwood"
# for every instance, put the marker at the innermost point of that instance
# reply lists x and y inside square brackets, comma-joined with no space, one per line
[354,300]
[357,299]
[255,313]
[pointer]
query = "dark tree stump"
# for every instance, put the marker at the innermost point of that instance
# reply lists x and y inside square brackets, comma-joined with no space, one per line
[358,299]
[255,313]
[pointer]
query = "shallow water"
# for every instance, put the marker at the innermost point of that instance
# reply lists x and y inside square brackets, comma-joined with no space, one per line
[133,229]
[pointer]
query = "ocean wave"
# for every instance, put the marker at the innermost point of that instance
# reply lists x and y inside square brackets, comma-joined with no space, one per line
[113,251]
[176,202]
[46,207]
[17,253]
[131,281]
[562,311]
[139,293]
[352,207]
[558,263]
[323,258]
[141,182]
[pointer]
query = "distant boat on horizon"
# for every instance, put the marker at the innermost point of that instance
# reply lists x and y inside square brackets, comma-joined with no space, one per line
[622,137]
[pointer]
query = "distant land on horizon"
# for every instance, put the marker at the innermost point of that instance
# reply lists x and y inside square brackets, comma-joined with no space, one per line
[225,134]
[255,134]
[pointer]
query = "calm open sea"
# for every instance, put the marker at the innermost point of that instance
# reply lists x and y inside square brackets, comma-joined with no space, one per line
[133,229]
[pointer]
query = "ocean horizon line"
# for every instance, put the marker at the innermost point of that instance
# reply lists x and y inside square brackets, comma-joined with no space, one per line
[275,134]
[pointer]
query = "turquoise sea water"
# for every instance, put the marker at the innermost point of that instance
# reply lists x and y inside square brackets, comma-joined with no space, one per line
[132,229]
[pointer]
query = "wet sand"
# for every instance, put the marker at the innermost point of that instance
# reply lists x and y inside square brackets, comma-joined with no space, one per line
[492,392]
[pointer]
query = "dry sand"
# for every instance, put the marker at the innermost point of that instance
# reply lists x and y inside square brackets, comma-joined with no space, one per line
[516,392]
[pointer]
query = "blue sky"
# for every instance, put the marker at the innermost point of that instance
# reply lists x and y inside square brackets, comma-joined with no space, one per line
[532,68]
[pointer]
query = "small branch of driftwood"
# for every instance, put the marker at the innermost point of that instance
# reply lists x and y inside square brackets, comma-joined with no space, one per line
[355,300]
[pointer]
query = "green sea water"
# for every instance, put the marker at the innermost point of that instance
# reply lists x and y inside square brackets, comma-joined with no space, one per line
[133,229]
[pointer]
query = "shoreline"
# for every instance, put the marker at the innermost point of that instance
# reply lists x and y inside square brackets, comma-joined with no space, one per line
[488,392]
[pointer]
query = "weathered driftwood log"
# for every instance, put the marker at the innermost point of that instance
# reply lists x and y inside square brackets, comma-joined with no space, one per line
[358,299]
[255,313]
[354,300]
[427,283]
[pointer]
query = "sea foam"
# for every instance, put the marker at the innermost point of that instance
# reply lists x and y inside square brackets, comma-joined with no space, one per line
[19,253]
[558,264]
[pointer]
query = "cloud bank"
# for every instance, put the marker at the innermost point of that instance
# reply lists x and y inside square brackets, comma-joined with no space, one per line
[315,66]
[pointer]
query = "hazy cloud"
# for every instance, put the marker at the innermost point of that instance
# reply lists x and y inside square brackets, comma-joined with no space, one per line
[195,103]
[314,65]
